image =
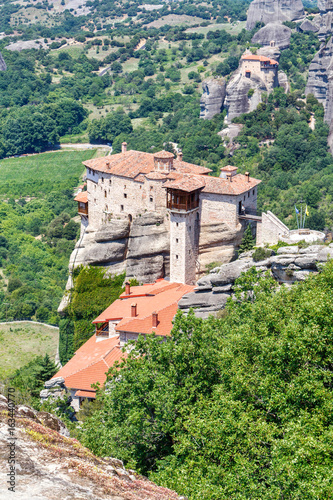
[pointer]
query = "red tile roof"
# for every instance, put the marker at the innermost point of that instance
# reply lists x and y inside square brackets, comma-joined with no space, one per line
[90,363]
[82,197]
[253,57]
[162,298]
[164,154]
[237,186]
[86,394]
[186,183]
[228,168]
[133,163]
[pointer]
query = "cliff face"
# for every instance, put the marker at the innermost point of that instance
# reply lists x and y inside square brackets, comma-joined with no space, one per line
[268,11]
[50,465]
[142,247]
[212,99]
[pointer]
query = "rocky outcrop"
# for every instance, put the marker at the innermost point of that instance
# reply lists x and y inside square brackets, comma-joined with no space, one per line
[273,34]
[307,25]
[50,465]
[268,11]
[3,65]
[320,78]
[283,81]
[212,99]
[289,265]
[140,247]
[238,99]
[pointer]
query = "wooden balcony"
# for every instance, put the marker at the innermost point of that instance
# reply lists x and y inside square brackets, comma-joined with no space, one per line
[182,201]
[82,208]
[102,331]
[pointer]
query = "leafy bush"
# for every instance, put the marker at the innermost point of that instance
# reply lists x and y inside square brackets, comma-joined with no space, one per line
[261,253]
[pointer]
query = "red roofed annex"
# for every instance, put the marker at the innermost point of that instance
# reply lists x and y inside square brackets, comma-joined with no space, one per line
[123,186]
[140,310]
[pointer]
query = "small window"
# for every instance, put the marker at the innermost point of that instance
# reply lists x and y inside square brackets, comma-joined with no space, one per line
[102,179]
[189,252]
[190,228]
[244,197]
[177,240]
[176,224]
[124,186]
[140,187]
[248,194]
[151,188]
[125,195]
[94,186]
[253,192]
[89,170]
[150,198]
[247,74]
[93,172]
[176,257]
[105,194]
[121,208]
[110,181]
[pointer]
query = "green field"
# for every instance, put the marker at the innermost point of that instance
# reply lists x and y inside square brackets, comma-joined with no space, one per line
[37,175]
[21,342]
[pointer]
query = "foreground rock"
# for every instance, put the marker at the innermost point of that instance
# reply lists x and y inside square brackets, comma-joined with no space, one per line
[289,265]
[268,11]
[50,466]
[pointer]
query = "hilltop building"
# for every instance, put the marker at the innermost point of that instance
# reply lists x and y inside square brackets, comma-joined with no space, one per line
[131,183]
[262,67]
[140,310]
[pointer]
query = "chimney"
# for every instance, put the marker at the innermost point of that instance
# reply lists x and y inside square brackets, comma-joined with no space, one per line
[133,310]
[107,164]
[229,176]
[127,288]
[247,176]
[154,319]
[180,155]
[124,147]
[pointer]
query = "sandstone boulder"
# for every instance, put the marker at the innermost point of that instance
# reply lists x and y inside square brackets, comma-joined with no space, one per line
[268,11]
[307,25]
[273,33]
[283,81]
[117,230]
[238,100]
[229,273]
[54,382]
[212,99]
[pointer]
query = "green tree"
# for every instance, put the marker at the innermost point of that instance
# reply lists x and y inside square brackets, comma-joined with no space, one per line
[247,242]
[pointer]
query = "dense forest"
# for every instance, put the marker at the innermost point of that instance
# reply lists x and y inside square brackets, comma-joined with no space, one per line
[237,407]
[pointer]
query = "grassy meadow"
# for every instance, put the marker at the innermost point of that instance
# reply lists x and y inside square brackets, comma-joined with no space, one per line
[37,175]
[22,342]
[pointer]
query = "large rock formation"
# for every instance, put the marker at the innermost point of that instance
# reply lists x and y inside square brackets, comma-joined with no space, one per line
[3,66]
[289,265]
[268,11]
[49,465]
[273,34]
[212,99]
[320,83]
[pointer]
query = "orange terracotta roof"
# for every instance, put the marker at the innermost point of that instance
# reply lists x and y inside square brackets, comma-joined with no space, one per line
[209,184]
[156,176]
[163,300]
[253,57]
[189,168]
[228,168]
[82,197]
[149,289]
[90,363]
[133,163]
[164,154]
[86,394]
[128,164]
[237,186]
[186,183]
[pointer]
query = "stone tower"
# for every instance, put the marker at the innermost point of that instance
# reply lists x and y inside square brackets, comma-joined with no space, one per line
[183,207]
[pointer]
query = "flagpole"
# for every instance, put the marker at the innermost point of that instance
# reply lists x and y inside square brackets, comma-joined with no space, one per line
[296,217]
[301,215]
[306,209]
